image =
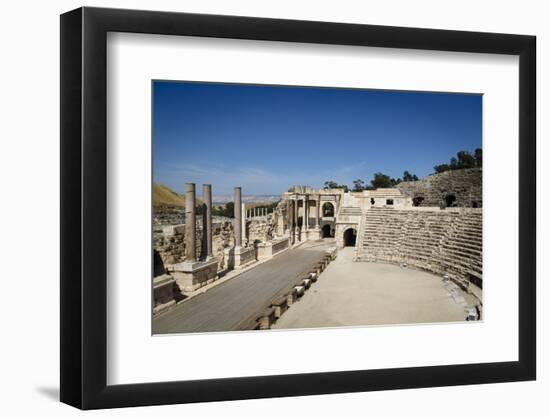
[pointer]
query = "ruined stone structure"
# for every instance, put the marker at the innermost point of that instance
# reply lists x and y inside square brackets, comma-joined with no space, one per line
[396,225]
[456,188]
[445,242]
[434,224]
[191,255]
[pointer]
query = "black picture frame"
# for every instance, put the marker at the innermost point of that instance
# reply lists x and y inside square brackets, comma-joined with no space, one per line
[84,207]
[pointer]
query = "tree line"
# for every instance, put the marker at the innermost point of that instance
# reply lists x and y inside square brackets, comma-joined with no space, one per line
[463,159]
[379,180]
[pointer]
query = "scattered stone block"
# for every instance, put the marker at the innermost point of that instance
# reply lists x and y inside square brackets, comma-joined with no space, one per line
[300,289]
[291,296]
[267,319]
[306,283]
[280,305]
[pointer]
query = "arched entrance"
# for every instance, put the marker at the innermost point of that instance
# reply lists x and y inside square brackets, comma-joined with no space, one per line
[328,210]
[350,237]
[326,230]
[450,200]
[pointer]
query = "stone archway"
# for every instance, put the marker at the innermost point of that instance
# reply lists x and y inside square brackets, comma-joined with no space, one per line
[326,231]
[328,209]
[350,237]
[450,200]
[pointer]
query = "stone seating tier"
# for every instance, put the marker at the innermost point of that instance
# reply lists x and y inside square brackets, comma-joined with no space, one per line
[441,242]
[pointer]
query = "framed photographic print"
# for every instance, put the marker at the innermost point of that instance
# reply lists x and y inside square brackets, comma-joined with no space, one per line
[258,208]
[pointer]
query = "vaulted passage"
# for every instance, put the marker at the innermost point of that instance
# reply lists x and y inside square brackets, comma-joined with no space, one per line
[350,236]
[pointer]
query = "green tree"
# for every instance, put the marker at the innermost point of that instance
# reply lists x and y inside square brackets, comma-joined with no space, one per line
[381,180]
[358,185]
[332,184]
[228,210]
[465,160]
[407,176]
[478,155]
[441,168]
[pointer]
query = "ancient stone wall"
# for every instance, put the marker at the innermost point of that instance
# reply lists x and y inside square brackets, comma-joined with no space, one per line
[168,215]
[436,190]
[169,243]
[259,230]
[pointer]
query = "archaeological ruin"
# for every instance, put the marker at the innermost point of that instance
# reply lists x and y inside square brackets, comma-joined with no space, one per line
[432,225]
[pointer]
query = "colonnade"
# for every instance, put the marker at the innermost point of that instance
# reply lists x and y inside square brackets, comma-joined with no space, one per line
[292,207]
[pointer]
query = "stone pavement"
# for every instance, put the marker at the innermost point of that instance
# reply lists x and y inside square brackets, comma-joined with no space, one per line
[232,305]
[360,293]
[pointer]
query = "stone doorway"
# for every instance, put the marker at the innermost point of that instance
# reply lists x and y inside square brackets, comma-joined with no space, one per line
[350,237]
[326,230]
[450,200]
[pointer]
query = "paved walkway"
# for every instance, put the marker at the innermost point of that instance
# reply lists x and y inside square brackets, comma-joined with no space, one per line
[236,303]
[360,293]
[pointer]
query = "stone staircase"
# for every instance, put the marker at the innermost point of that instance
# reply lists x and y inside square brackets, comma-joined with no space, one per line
[439,241]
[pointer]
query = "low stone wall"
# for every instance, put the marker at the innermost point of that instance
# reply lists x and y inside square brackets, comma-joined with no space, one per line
[259,230]
[163,292]
[169,242]
[238,257]
[464,184]
[266,250]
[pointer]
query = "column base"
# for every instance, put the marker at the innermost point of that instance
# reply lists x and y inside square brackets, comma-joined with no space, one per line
[163,293]
[314,234]
[238,256]
[190,276]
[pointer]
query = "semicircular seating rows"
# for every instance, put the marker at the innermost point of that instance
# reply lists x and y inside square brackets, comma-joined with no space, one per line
[439,241]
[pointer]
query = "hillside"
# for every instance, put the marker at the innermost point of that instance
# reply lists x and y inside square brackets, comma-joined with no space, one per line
[164,196]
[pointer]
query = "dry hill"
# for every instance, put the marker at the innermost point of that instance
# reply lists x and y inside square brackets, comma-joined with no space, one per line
[164,196]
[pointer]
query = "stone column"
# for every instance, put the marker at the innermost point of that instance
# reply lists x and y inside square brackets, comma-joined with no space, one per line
[306,212]
[318,212]
[207,228]
[296,216]
[288,225]
[243,224]
[237,228]
[190,237]
[291,213]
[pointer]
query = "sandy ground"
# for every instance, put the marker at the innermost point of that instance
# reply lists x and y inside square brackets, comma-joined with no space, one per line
[359,293]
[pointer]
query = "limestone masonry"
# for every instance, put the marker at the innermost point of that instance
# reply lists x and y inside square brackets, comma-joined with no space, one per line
[434,224]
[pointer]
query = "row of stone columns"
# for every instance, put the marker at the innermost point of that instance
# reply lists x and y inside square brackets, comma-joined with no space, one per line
[292,214]
[257,212]
[190,221]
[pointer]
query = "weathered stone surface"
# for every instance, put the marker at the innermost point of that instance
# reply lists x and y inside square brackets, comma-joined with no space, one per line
[239,257]
[259,230]
[163,292]
[464,184]
[266,250]
[445,241]
[169,243]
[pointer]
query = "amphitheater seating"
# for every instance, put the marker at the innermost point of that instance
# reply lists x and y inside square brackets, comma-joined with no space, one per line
[439,241]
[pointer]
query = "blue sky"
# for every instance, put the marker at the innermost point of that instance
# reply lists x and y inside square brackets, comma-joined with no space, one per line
[268,138]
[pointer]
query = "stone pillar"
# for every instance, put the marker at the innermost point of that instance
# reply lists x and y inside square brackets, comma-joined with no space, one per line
[238,218]
[243,223]
[207,228]
[318,212]
[291,214]
[190,225]
[306,212]
[296,216]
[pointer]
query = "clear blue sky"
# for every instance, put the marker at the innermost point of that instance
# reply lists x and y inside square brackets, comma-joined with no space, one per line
[268,138]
